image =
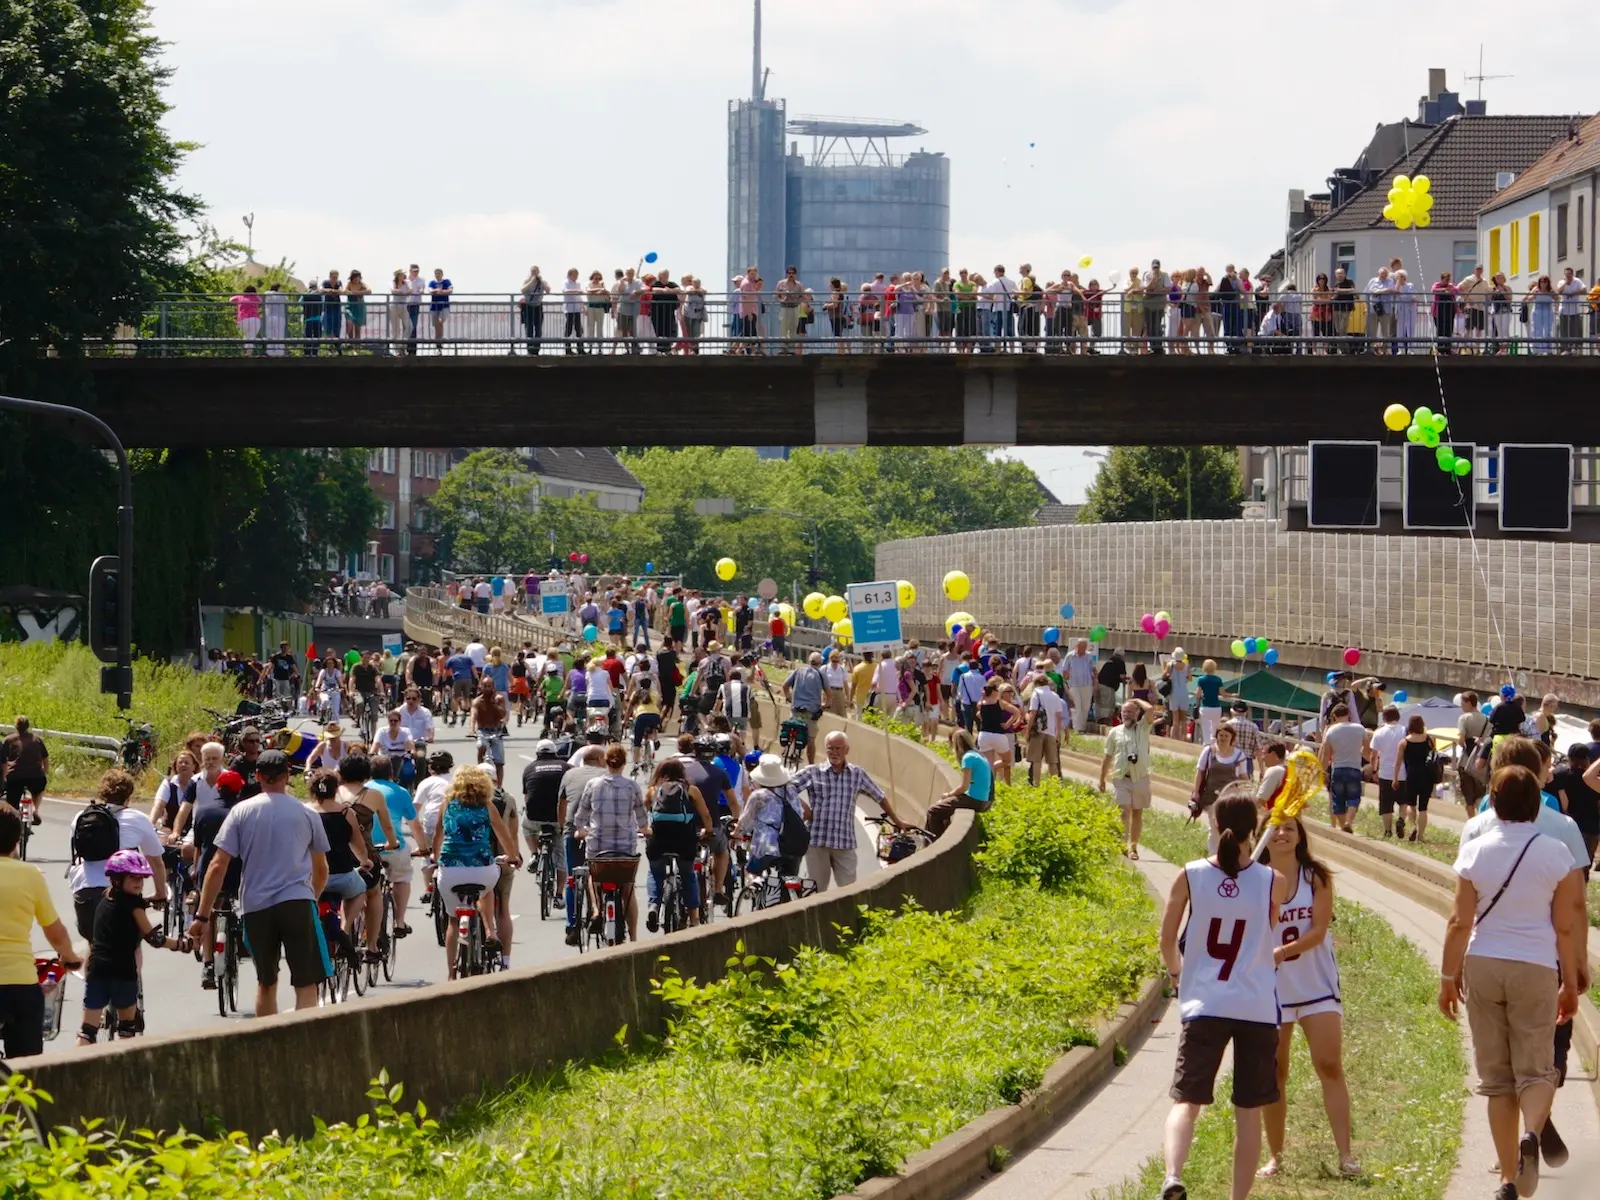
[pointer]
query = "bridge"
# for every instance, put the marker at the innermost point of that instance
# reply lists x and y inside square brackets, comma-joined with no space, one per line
[817,399]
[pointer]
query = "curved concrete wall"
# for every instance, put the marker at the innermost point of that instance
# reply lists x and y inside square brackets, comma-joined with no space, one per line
[1418,607]
[453,1042]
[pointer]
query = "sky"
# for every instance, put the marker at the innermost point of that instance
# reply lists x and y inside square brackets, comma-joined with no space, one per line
[484,136]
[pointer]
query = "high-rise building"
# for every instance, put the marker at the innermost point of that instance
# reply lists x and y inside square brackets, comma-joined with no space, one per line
[849,208]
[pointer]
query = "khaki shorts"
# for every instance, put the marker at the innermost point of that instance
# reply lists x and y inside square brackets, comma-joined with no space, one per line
[1511,1007]
[399,864]
[1131,793]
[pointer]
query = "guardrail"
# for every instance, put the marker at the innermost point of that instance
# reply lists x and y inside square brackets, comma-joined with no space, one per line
[95,744]
[671,321]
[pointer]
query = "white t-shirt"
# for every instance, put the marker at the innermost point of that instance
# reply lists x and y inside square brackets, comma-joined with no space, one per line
[482,591]
[886,679]
[1047,699]
[418,724]
[834,676]
[1271,780]
[478,652]
[430,801]
[1519,928]
[1386,740]
[599,684]
[1345,740]
[137,834]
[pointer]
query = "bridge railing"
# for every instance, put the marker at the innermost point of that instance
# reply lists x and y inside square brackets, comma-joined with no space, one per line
[277,324]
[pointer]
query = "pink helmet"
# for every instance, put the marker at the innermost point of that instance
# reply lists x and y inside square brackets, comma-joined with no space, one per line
[128,862]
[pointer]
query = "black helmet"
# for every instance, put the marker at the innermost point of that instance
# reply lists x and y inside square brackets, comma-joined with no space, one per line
[441,761]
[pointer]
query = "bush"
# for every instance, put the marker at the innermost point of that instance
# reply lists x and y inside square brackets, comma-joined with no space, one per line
[1052,836]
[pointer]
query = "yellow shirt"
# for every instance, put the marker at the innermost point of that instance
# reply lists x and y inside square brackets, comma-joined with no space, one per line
[861,681]
[24,900]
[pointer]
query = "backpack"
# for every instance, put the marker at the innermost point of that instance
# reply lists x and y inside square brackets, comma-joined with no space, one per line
[96,836]
[716,672]
[794,836]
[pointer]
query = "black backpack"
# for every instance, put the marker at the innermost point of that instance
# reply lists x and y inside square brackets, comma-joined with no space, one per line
[96,836]
[716,673]
[794,836]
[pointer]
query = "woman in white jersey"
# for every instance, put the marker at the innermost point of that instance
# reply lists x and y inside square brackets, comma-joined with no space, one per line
[1308,988]
[1226,975]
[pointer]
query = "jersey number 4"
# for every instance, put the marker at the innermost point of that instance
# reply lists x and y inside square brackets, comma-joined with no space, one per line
[1225,952]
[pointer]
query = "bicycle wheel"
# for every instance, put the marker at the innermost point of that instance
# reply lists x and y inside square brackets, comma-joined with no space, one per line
[580,915]
[228,985]
[358,965]
[468,952]
[388,944]
[670,901]
[440,920]
[547,883]
[27,830]
[219,963]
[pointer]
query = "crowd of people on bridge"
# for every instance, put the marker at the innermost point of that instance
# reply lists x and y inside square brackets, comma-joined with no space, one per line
[1151,311]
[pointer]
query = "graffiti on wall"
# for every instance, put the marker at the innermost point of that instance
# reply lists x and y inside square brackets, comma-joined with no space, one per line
[30,615]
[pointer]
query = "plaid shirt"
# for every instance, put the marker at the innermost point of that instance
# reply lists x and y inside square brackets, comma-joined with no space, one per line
[833,802]
[1247,737]
[612,810]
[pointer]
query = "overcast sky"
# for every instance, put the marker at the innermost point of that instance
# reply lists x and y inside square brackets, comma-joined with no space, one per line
[483,136]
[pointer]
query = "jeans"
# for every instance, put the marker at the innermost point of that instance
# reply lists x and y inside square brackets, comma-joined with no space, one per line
[413,311]
[313,333]
[1003,325]
[533,325]
[575,858]
[641,631]
[686,880]
[1155,323]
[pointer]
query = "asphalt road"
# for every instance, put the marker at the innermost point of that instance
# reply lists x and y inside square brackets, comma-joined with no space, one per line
[174,999]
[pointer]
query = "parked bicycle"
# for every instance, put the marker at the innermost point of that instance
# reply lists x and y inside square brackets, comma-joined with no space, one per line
[138,745]
[896,844]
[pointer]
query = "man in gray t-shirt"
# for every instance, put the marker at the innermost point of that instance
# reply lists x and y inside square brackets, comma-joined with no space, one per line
[283,851]
[805,690]
[1344,749]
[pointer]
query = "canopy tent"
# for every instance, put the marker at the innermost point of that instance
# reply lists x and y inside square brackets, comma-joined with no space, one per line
[1263,687]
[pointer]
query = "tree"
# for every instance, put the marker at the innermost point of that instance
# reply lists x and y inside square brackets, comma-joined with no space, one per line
[1165,483]
[485,505]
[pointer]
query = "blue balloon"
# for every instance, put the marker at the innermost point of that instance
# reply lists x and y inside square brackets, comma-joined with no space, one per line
[1249,645]
[1508,692]
[1066,612]
[1030,145]
[1272,656]
[1052,635]
[649,568]
[1401,696]
[1487,708]
[651,257]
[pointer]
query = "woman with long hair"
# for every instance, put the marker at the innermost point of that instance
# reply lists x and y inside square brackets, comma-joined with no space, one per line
[996,729]
[1308,988]
[463,847]
[1225,968]
[355,317]
[1415,754]
[1321,314]
[1220,765]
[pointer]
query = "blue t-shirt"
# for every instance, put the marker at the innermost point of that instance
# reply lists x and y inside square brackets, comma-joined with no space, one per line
[459,666]
[1210,689]
[982,775]
[500,673]
[401,810]
[614,619]
[1550,802]
[497,585]
[440,299]
[732,768]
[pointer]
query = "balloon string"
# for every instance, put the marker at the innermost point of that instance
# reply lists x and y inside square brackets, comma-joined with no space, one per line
[1468,504]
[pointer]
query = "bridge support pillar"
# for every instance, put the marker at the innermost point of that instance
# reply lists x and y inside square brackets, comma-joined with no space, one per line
[990,408]
[840,408]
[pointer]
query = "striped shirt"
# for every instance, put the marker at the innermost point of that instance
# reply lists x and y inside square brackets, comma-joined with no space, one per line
[833,802]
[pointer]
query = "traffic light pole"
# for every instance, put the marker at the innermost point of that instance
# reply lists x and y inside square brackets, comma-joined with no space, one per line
[124,666]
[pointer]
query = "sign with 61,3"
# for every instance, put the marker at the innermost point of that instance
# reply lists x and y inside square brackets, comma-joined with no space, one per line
[875,616]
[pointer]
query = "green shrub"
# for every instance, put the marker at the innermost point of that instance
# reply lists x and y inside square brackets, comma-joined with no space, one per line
[1050,836]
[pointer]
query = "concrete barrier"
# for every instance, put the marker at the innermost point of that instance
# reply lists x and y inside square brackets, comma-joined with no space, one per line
[454,1042]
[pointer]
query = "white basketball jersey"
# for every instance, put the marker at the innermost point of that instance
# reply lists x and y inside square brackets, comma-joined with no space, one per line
[1227,958]
[1312,977]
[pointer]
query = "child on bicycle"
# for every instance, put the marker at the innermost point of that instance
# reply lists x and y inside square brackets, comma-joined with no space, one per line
[120,924]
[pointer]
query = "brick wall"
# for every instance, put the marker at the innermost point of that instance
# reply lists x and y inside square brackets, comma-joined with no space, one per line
[1412,604]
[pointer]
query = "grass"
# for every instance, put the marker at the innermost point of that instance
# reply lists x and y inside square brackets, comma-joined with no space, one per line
[1404,1061]
[57,685]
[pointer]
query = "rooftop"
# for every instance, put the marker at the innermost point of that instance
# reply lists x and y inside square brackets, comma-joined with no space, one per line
[593,465]
[1572,155]
[864,127]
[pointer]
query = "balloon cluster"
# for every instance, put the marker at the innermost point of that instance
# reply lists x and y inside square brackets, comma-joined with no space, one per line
[1410,202]
[578,558]
[1157,625]
[960,620]
[835,609]
[844,630]
[957,585]
[1424,427]
[1246,646]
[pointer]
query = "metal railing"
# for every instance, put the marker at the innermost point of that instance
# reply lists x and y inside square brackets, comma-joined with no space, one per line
[94,744]
[278,324]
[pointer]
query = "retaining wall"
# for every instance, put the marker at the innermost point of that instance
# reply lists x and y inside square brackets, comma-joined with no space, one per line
[453,1042]
[1416,606]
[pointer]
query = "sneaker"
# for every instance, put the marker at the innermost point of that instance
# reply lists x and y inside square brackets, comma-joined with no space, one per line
[572,935]
[1551,1145]
[1173,1189]
[1506,1191]
[652,919]
[1400,828]
[208,977]
[1413,836]
[1528,1164]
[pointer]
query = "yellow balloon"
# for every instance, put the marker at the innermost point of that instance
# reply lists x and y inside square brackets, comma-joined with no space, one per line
[1164,615]
[845,630]
[1421,184]
[786,611]
[1424,204]
[1403,182]
[958,618]
[908,593]
[1423,220]
[957,585]
[1397,417]
[1085,262]
[812,605]
[977,632]
[834,608]
[1402,222]
[726,569]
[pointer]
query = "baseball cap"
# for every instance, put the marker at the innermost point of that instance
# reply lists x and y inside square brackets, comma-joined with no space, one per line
[271,762]
[230,781]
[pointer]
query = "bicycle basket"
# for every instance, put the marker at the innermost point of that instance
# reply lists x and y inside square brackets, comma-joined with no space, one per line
[892,847]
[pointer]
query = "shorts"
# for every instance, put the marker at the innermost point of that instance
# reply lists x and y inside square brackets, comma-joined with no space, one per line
[1131,793]
[717,842]
[997,743]
[1416,795]
[118,993]
[461,688]
[1344,789]
[451,878]
[1255,1061]
[85,903]
[21,1019]
[1389,794]
[519,687]
[1475,318]
[494,746]
[502,889]
[289,930]
[644,725]
[400,865]
[16,786]
[347,885]
[1511,1011]
[1297,1012]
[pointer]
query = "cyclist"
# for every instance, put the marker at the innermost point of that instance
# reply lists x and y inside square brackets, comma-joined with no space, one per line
[330,748]
[679,822]
[756,678]
[551,686]
[24,766]
[208,805]
[463,674]
[329,688]
[668,677]
[355,773]
[763,817]
[610,816]
[418,722]
[698,755]
[393,740]
[498,670]
[24,901]
[463,846]
[600,690]
[419,673]
[171,790]
[396,855]
[347,852]
[590,766]
[120,925]
[99,831]
[541,801]
[645,713]
[363,684]
[489,719]
[521,692]
[735,701]
[429,800]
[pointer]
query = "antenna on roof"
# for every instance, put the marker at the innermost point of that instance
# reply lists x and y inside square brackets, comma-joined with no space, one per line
[1478,78]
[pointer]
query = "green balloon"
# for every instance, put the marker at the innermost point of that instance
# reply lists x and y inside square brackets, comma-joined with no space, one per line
[1263,645]
[1097,634]
[1463,466]
[1439,422]
[1422,415]
[1445,457]
[1430,439]
[1414,433]
[1238,648]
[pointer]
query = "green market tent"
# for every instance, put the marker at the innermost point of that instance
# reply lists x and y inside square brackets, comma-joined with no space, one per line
[1263,687]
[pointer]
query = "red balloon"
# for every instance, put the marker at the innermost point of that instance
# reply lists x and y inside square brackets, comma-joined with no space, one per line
[584,559]
[573,557]
[1351,656]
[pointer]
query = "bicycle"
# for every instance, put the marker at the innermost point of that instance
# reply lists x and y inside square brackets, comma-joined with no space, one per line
[674,908]
[344,951]
[543,865]
[793,735]
[26,812]
[388,944]
[174,917]
[578,881]
[738,858]
[612,903]
[227,930]
[473,957]
[897,844]
[138,748]
[366,714]
[702,879]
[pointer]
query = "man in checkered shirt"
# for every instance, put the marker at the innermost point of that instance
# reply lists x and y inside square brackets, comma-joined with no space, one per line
[833,789]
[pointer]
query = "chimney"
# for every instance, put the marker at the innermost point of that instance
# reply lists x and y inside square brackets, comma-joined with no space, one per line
[755,61]
[1436,83]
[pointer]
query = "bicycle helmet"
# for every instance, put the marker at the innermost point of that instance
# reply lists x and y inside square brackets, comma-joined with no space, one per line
[128,862]
[705,745]
[545,749]
[440,762]
[723,743]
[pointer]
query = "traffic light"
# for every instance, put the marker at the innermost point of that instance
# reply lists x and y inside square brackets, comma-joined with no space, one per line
[813,577]
[105,607]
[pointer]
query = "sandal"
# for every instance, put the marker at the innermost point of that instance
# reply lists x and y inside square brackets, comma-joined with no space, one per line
[401,931]
[1133,853]
[1350,1168]
[1273,1168]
